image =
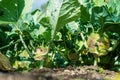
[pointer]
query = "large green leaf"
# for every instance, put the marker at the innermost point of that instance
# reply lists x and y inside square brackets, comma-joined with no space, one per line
[10,10]
[27,6]
[61,12]
[98,16]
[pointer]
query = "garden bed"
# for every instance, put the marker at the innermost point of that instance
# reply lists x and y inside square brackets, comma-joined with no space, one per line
[69,73]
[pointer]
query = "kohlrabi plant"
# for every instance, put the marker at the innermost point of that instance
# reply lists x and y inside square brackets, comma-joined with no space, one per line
[60,33]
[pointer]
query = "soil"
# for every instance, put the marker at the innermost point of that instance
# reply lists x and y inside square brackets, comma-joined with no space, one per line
[69,73]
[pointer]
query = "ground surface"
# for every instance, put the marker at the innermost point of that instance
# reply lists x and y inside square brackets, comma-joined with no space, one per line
[69,73]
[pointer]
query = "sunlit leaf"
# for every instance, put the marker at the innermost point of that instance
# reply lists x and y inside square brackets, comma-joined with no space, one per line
[61,12]
[24,54]
[27,6]
[21,64]
[99,2]
[73,27]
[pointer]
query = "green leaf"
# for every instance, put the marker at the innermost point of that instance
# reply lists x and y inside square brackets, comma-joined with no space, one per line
[85,16]
[73,27]
[61,12]
[39,31]
[112,27]
[98,16]
[27,6]
[36,16]
[11,13]
[114,9]
[85,11]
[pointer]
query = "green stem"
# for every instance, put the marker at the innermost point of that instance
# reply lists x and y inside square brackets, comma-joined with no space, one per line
[83,38]
[25,46]
[21,38]
[96,60]
[10,44]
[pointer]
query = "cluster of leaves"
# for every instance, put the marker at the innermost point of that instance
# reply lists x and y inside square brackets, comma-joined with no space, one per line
[61,33]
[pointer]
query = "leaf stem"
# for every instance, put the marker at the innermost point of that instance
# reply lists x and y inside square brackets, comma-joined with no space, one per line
[21,38]
[83,38]
[10,44]
[25,46]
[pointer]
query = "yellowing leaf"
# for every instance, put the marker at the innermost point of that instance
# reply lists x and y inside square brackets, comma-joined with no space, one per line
[4,63]
[91,42]
[116,77]
[24,54]
[21,64]
[85,51]
[97,44]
